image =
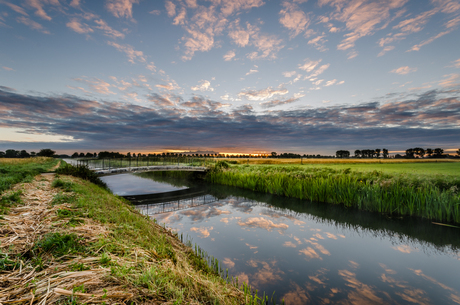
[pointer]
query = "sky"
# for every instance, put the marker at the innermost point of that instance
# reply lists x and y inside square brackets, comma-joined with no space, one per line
[300,76]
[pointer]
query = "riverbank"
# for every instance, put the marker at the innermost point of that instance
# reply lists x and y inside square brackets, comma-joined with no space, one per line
[433,196]
[65,240]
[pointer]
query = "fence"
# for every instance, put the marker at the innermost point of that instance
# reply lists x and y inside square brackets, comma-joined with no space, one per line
[103,164]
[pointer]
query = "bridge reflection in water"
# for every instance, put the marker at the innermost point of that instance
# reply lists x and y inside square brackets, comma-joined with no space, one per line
[152,204]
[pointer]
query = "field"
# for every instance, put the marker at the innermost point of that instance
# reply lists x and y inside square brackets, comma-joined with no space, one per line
[424,189]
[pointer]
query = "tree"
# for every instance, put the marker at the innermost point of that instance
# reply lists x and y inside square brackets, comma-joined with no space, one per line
[429,152]
[458,152]
[342,154]
[385,153]
[89,155]
[46,152]
[438,152]
[410,153]
[377,152]
[81,155]
[11,153]
[33,153]
[273,153]
[24,154]
[419,152]
[357,153]
[75,155]
[2,154]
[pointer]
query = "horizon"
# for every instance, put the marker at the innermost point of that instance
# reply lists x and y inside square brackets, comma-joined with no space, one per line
[294,76]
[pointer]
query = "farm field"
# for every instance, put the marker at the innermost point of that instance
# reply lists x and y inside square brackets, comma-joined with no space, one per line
[417,166]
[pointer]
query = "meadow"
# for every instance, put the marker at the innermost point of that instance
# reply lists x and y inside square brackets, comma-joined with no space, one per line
[417,188]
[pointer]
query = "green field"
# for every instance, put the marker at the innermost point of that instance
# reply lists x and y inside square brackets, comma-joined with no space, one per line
[425,168]
[429,190]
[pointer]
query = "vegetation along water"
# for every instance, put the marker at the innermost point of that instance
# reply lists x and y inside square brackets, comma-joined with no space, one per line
[429,190]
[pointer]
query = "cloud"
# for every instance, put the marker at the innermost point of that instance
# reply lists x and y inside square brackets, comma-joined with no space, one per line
[203,231]
[270,104]
[428,41]
[96,84]
[289,73]
[229,55]
[293,19]
[203,86]
[39,9]
[452,80]
[318,42]
[262,94]
[108,31]
[262,223]
[252,71]
[8,68]
[170,8]
[418,119]
[16,8]
[121,8]
[155,12]
[385,49]
[77,26]
[456,63]
[309,65]
[403,70]
[232,6]
[151,66]
[330,83]
[132,54]
[32,24]
[361,18]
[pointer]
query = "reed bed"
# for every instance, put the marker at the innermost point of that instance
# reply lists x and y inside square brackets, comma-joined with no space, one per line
[433,197]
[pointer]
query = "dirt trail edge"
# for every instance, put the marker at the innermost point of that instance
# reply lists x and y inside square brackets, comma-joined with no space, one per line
[43,279]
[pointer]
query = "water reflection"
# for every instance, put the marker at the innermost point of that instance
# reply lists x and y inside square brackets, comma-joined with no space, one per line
[311,253]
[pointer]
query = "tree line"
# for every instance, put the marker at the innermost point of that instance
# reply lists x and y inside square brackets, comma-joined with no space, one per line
[411,153]
[12,153]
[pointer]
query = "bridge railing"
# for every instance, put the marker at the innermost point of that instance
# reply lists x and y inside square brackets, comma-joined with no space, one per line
[112,163]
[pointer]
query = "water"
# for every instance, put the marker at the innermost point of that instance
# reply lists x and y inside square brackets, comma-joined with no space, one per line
[310,253]
[129,184]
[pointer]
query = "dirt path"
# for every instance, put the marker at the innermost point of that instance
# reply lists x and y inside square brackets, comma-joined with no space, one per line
[34,277]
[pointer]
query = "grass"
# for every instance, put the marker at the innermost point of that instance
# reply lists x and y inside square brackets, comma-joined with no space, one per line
[14,171]
[171,270]
[431,196]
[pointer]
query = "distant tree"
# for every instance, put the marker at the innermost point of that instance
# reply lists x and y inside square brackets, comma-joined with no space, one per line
[342,154]
[128,155]
[81,155]
[357,153]
[95,155]
[273,154]
[429,152]
[24,154]
[377,152]
[11,153]
[419,152]
[89,155]
[385,153]
[46,152]
[458,152]
[2,154]
[410,153]
[33,153]
[438,152]
[75,155]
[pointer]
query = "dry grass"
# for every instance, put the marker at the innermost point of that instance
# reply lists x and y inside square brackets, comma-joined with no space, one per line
[18,161]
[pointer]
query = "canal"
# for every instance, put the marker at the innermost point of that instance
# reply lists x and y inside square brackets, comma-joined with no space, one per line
[306,252]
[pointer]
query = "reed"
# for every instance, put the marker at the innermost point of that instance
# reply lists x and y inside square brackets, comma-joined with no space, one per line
[433,197]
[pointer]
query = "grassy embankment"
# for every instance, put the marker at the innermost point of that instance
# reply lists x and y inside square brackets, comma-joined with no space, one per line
[13,171]
[429,190]
[89,246]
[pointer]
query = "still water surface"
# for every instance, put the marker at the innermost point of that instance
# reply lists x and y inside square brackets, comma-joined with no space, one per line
[311,253]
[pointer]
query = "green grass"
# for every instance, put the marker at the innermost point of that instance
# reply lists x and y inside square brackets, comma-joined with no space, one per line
[176,272]
[433,196]
[14,171]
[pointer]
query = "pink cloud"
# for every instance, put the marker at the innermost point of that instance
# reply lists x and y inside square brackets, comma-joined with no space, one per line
[121,8]
[77,26]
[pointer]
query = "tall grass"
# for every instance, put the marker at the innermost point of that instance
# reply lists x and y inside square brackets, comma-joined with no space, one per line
[435,198]
[14,171]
